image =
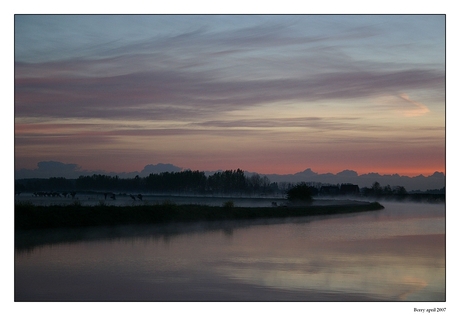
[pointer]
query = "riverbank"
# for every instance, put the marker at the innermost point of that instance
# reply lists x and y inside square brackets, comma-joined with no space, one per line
[28,216]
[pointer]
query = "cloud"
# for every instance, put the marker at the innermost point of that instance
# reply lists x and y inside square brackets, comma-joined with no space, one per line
[147,94]
[160,75]
[320,123]
[208,79]
[48,169]
[159,168]
[415,108]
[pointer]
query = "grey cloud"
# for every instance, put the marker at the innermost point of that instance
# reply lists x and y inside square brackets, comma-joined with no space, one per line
[181,73]
[178,131]
[53,165]
[204,38]
[196,46]
[47,169]
[426,142]
[182,90]
[159,168]
[64,140]
[284,122]
[336,123]
[108,137]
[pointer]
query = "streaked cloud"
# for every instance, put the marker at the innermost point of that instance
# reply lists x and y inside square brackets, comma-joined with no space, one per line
[112,81]
[416,108]
[191,94]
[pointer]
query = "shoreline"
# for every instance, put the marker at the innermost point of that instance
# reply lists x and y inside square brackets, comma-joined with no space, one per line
[28,216]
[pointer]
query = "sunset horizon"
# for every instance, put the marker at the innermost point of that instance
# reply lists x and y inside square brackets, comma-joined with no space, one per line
[220,155]
[333,170]
[264,93]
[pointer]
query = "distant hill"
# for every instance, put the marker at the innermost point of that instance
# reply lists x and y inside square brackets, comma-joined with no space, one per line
[437,180]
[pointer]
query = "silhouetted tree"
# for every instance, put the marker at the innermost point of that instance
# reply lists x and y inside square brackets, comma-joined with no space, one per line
[230,181]
[387,190]
[400,190]
[376,189]
[300,192]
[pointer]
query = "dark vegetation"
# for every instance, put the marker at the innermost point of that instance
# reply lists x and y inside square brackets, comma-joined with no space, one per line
[230,182]
[32,222]
[29,216]
[399,193]
[300,193]
[184,182]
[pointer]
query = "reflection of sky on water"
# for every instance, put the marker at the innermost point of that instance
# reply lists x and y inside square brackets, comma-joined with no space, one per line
[374,255]
[384,273]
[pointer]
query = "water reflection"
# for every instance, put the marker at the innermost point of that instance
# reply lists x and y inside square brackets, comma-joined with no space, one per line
[386,269]
[396,254]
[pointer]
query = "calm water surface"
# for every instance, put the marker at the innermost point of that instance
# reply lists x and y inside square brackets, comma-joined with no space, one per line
[397,254]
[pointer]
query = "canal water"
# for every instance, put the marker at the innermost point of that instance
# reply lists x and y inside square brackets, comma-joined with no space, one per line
[396,254]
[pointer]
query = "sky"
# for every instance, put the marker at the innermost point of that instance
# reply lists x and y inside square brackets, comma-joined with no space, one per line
[84,135]
[264,93]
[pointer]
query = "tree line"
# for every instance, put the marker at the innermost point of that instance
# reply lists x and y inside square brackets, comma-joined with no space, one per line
[184,182]
[229,182]
[378,191]
[304,192]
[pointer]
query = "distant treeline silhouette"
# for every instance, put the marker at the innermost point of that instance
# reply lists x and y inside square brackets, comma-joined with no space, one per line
[184,182]
[229,182]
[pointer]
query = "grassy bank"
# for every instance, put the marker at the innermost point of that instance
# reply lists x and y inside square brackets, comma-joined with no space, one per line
[28,216]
